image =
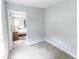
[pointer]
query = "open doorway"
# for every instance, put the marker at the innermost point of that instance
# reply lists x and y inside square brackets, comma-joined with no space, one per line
[17,26]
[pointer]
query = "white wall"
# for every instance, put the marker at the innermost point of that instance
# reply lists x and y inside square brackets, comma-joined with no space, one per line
[61,24]
[2,51]
[5,29]
[35,21]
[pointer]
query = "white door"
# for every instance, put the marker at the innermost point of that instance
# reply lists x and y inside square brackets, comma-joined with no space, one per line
[10,29]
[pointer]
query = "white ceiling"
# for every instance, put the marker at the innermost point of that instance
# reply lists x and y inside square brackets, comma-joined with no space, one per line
[35,3]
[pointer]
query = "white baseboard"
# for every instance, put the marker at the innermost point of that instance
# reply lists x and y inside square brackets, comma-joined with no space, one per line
[34,42]
[63,46]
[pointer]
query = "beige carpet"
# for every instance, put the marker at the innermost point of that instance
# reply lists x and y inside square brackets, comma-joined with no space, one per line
[42,50]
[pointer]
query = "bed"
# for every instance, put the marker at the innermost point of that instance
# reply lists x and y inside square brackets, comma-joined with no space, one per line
[21,32]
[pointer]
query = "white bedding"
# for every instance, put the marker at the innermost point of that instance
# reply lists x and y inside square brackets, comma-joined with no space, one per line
[22,31]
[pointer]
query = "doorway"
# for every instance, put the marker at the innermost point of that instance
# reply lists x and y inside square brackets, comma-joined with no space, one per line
[17,21]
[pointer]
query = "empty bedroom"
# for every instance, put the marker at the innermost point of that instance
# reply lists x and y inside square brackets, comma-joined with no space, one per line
[39,29]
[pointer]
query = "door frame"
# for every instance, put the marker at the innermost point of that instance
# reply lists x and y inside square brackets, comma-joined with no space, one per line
[11,40]
[10,30]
